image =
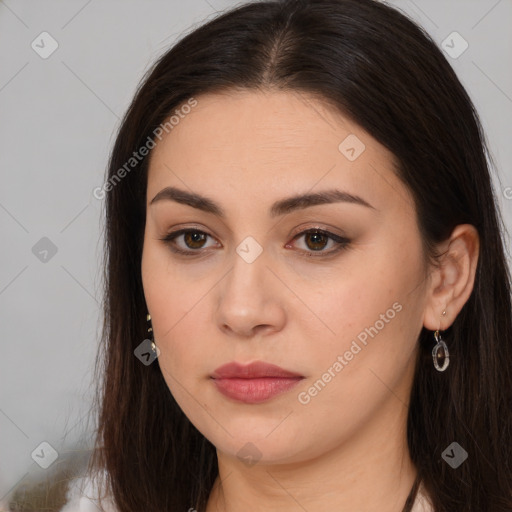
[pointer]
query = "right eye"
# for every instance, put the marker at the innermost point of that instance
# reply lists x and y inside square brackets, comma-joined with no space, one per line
[193,239]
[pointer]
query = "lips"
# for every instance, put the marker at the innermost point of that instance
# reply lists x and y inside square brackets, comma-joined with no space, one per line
[253,383]
[254,370]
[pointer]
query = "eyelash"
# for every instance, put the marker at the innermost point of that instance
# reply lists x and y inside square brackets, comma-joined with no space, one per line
[341,241]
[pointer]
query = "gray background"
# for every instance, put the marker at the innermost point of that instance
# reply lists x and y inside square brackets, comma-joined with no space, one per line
[58,118]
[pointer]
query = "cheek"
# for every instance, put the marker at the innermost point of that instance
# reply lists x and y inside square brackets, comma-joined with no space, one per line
[373,309]
[169,292]
[376,320]
[177,304]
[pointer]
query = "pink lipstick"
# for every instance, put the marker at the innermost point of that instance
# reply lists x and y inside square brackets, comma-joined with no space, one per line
[255,382]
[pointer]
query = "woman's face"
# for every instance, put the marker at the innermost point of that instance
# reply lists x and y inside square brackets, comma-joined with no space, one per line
[251,173]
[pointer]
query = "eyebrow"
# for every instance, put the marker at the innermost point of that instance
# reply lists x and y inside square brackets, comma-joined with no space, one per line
[281,207]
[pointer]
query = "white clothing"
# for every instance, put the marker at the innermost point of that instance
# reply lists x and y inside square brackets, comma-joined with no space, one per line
[82,497]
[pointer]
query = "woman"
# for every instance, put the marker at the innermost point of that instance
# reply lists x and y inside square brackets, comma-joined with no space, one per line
[307,303]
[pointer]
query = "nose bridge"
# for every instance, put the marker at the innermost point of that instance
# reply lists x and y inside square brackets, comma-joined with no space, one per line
[248,269]
[247,299]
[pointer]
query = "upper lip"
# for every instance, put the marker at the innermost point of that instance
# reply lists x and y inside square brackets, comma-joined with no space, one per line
[251,371]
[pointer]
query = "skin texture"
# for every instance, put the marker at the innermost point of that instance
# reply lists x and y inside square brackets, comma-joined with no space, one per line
[245,150]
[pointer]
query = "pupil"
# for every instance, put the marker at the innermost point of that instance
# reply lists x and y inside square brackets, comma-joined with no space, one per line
[317,238]
[193,237]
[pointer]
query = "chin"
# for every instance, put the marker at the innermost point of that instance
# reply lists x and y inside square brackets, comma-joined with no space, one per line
[263,444]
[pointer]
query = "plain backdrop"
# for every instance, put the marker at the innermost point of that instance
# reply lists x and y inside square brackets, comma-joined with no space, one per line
[58,116]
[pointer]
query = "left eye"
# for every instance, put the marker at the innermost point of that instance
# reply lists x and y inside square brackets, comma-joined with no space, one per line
[316,240]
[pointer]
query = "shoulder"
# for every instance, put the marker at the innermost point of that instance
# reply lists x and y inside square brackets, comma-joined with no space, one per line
[422,502]
[83,496]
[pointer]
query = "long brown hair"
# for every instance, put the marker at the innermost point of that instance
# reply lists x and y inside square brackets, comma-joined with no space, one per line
[384,72]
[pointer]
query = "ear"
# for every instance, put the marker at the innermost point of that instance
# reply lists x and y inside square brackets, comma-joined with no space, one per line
[451,282]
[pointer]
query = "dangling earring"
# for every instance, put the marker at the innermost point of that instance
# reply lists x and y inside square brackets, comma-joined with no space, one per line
[150,333]
[440,353]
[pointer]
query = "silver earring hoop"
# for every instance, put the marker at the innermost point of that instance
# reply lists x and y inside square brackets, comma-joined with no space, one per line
[440,353]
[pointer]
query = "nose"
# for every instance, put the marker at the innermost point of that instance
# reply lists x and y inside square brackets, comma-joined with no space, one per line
[250,299]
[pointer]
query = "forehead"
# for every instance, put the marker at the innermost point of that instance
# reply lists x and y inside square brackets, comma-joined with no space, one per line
[256,141]
[270,121]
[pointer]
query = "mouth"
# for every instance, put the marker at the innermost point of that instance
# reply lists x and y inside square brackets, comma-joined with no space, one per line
[253,383]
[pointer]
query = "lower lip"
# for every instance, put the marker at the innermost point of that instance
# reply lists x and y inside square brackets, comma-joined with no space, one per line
[253,391]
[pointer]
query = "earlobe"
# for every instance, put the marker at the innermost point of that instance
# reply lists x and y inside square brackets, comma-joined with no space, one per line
[452,281]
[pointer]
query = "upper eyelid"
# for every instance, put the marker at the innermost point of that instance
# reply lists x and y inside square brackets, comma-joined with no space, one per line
[310,226]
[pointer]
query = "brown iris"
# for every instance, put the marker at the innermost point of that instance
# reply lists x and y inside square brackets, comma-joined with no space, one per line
[194,237]
[318,240]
